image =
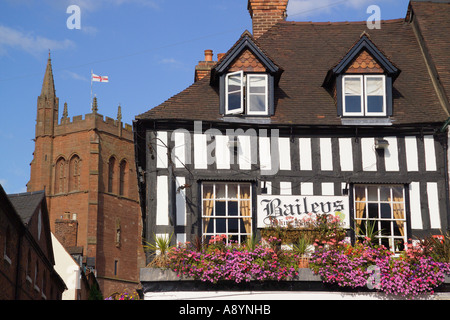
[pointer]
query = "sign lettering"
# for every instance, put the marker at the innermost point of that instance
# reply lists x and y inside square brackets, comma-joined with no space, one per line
[280,207]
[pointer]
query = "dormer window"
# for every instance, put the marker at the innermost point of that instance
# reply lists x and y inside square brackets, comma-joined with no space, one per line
[246,79]
[362,84]
[246,93]
[364,95]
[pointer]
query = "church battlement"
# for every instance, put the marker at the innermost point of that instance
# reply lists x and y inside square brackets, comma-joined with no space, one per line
[92,121]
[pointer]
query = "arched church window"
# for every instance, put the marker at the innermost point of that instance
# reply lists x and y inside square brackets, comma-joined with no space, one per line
[74,173]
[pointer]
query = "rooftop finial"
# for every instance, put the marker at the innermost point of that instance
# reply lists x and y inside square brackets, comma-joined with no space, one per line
[65,112]
[94,105]
[119,113]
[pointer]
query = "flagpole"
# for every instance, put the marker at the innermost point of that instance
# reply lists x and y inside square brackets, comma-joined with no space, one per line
[91,88]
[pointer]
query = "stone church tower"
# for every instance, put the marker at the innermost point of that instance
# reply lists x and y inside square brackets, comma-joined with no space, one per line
[87,169]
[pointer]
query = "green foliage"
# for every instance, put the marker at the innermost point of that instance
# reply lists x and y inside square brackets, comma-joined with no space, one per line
[158,249]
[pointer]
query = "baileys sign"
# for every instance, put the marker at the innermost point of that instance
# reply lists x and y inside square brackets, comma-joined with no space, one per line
[286,207]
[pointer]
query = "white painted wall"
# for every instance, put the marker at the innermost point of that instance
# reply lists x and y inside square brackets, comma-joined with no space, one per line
[67,269]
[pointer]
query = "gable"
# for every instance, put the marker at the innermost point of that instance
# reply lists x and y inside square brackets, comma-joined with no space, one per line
[245,54]
[364,63]
[372,54]
[247,62]
[31,207]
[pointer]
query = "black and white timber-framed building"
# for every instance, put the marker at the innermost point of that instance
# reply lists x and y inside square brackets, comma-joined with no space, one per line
[307,118]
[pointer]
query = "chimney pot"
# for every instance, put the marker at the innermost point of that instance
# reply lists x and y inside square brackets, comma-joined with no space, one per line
[208,55]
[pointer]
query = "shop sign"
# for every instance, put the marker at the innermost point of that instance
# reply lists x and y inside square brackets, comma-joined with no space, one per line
[294,209]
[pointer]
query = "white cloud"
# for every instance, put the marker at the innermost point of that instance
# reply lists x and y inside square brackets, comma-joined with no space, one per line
[75,76]
[307,8]
[29,42]
[90,5]
[169,61]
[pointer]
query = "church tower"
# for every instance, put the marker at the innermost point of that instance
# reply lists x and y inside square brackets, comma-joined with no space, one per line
[86,166]
[46,120]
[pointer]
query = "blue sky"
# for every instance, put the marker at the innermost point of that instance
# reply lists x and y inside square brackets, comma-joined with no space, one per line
[147,48]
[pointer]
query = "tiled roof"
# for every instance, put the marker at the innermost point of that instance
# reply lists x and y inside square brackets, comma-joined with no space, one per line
[26,204]
[433,21]
[306,52]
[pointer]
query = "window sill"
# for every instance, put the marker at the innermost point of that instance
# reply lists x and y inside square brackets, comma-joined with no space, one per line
[366,121]
[247,119]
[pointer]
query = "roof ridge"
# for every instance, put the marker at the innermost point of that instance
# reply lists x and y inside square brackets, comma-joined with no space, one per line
[26,193]
[337,22]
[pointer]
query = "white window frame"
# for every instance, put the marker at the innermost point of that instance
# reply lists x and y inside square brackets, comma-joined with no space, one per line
[385,234]
[266,95]
[241,109]
[344,112]
[245,101]
[241,233]
[363,80]
[383,113]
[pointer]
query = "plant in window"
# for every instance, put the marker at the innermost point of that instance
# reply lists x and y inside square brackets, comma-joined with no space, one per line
[159,249]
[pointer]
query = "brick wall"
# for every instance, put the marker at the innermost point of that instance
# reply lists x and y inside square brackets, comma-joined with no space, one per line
[97,210]
[266,13]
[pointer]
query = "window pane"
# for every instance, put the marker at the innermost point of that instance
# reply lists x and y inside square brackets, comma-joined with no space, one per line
[208,191]
[210,225]
[352,104]
[385,227]
[398,211]
[385,194]
[220,191]
[374,86]
[257,84]
[233,225]
[375,94]
[208,208]
[375,104]
[234,83]
[397,193]
[232,208]
[232,191]
[360,193]
[257,93]
[373,210]
[242,223]
[220,208]
[373,193]
[385,211]
[257,103]
[352,86]
[221,226]
[234,101]
[245,191]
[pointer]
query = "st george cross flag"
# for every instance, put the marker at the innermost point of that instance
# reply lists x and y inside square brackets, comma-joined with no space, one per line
[99,78]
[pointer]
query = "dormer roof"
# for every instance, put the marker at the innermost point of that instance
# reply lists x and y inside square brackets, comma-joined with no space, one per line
[246,43]
[364,44]
[308,52]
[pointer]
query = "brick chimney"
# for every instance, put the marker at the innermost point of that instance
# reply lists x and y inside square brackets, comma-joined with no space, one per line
[203,67]
[66,231]
[265,14]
